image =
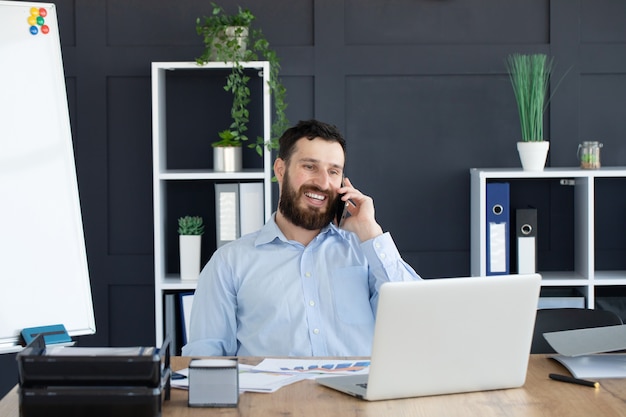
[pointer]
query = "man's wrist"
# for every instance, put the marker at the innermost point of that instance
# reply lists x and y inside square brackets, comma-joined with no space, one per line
[369,232]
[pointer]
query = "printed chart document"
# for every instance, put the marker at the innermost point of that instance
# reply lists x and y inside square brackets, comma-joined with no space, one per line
[272,374]
[249,380]
[254,381]
[315,366]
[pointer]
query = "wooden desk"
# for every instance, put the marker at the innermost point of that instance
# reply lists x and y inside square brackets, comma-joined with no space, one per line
[540,396]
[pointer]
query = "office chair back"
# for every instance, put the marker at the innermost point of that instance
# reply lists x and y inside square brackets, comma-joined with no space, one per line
[557,319]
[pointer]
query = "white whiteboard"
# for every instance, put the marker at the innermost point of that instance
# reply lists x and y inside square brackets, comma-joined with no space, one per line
[44,277]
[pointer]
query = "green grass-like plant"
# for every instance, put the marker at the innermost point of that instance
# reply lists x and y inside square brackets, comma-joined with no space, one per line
[530,77]
[190,225]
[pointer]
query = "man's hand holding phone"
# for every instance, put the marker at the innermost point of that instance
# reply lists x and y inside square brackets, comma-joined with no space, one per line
[361,219]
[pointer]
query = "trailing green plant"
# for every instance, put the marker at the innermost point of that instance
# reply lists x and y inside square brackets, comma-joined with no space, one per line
[530,77]
[241,44]
[190,225]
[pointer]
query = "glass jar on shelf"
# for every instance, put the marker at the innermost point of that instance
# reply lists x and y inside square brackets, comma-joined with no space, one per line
[589,154]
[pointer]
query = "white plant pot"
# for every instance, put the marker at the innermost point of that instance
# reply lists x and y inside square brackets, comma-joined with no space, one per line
[227,158]
[230,33]
[190,246]
[533,155]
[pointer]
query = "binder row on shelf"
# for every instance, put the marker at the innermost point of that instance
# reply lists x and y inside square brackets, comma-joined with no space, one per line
[501,232]
[177,314]
[508,240]
[126,381]
[239,210]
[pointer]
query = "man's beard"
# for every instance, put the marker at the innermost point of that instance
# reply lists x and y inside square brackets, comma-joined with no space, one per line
[310,218]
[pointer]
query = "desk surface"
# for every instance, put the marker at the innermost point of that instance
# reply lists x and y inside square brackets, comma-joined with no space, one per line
[540,396]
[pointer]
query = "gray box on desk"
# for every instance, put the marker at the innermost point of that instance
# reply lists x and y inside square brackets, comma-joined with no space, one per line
[213,383]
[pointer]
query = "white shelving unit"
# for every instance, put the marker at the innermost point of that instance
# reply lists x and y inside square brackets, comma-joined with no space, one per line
[167,279]
[585,276]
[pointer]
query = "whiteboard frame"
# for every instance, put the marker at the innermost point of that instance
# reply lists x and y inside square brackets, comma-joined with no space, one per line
[44,276]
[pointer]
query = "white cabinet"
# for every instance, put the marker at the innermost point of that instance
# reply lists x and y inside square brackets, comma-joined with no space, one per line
[183,180]
[585,275]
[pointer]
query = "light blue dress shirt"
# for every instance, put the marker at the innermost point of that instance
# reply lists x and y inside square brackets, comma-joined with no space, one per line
[264,295]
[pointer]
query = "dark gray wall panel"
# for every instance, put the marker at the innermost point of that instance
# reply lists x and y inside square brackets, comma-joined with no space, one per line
[413,157]
[129,152]
[602,115]
[602,21]
[172,23]
[445,22]
[67,21]
[137,23]
[130,320]
[300,97]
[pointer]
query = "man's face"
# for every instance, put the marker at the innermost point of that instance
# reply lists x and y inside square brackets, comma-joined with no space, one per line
[310,182]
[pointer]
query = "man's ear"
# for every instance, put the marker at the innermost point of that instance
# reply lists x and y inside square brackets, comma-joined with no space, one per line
[279,169]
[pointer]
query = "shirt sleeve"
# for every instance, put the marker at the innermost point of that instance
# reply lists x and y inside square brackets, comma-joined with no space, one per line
[385,261]
[212,329]
[385,265]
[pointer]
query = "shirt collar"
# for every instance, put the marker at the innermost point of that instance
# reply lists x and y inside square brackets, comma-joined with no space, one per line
[270,231]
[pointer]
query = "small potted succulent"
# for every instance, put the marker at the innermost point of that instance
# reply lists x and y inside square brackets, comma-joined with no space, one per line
[190,230]
[232,38]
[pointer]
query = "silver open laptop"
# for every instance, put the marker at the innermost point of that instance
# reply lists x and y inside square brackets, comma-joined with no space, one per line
[444,336]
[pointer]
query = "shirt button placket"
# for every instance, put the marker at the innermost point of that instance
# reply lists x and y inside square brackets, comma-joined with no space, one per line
[311,291]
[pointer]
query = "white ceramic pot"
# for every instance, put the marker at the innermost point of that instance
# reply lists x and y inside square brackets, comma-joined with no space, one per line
[238,33]
[190,246]
[533,155]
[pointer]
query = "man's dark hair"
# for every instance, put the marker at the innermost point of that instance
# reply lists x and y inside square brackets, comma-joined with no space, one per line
[309,129]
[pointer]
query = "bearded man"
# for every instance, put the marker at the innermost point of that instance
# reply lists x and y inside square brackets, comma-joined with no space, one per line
[303,285]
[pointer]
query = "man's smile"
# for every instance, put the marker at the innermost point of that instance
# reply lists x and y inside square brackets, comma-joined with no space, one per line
[315,196]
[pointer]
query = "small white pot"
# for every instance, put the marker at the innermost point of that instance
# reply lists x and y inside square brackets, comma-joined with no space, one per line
[190,246]
[533,155]
[237,33]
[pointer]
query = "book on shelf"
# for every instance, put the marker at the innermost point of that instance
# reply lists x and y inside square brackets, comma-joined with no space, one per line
[186,301]
[177,318]
[170,322]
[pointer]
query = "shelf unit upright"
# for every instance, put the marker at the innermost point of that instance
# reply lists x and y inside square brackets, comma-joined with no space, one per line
[586,275]
[167,275]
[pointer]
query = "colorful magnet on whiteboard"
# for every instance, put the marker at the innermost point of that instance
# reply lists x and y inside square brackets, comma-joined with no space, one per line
[34,11]
[40,21]
[43,12]
[32,20]
[45,29]
[34,30]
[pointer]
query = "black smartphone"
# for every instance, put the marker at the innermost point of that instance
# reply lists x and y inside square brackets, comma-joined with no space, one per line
[341,211]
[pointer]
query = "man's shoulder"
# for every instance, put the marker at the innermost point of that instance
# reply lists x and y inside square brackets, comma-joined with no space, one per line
[243,243]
